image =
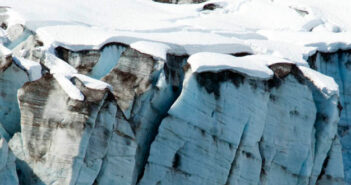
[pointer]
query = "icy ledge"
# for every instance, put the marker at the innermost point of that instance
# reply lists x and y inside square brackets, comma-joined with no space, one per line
[157,50]
[325,84]
[257,66]
[63,73]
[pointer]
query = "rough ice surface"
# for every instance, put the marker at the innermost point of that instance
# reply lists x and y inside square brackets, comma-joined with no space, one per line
[63,73]
[12,76]
[58,121]
[337,65]
[202,149]
[138,92]
[8,173]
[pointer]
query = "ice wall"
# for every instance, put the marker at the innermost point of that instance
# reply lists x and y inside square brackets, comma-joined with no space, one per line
[226,128]
[338,65]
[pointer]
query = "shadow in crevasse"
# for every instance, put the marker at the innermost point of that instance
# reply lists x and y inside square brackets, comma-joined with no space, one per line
[25,174]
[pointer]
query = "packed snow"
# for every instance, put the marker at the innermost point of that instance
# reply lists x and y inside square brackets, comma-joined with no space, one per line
[33,68]
[284,30]
[92,83]
[326,84]
[252,66]
[63,73]
[68,87]
[266,31]
[158,50]
[58,66]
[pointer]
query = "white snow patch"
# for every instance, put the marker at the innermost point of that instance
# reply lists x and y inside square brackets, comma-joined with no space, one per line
[285,30]
[4,51]
[253,66]
[71,90]
[13,17]
[33,68]
[58,66]
[92,83]
[180,42]
[321,41]
[91,24]
[157,50]
[63,73]
[325,84]
[289,51]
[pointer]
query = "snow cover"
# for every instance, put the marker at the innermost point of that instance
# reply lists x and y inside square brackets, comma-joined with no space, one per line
[158,50]
[321,41]
[326,84]
[92,83]
[279,31]
[4,51]
[68,87]
[257,66]
[63,73]
[14,17]
[291,30]
[33,68]
[57,65]
[252,65]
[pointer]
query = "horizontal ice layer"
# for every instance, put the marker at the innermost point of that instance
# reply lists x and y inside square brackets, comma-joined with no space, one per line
[92,83]
[257,66]
[325,84]
[254,66]
[157,50]
[181,42]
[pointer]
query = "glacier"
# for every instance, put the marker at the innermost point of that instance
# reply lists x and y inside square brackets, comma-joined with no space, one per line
[143,92]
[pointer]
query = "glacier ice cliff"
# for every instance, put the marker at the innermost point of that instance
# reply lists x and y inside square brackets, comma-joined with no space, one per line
[155,126]
[199,146]
[144,88]
[338,65]
[182,98]
[193,142]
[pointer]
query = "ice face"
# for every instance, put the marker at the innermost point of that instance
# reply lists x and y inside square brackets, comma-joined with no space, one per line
[337,65]
[251,110]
